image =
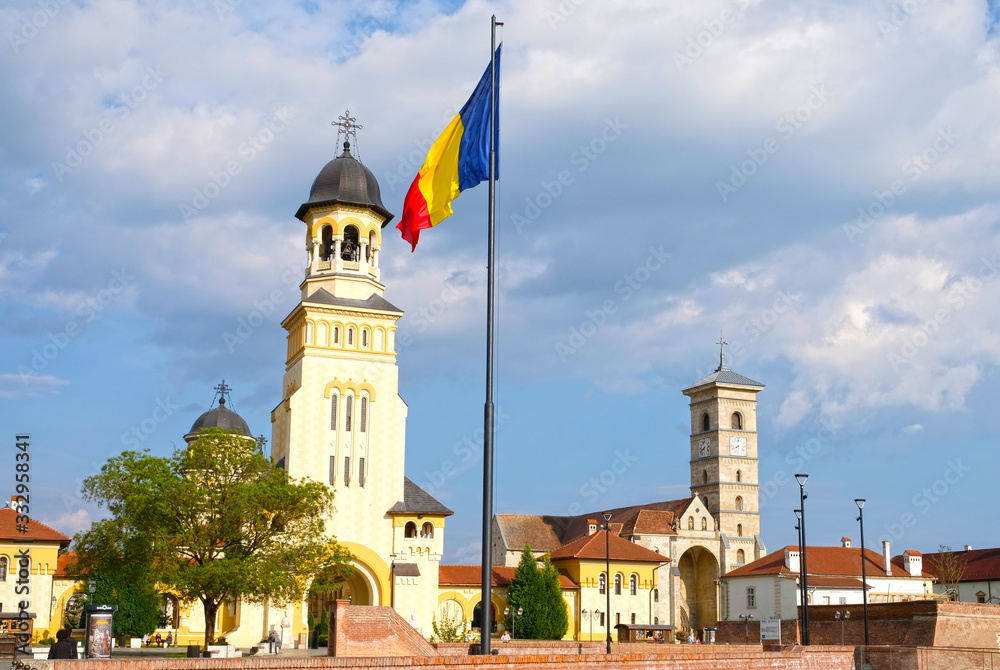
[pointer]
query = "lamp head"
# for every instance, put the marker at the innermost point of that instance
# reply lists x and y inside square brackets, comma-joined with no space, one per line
[597,612]
[847,614]
[798,514]
[836,615]
[506,611]
[801,479]
[520,611]
[860,502]
[607,516]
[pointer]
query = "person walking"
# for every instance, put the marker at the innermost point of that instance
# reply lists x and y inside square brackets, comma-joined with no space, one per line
[270,642]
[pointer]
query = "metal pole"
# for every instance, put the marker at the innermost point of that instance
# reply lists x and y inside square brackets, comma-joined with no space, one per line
[607,578]
[802,596]
[860,502]
[486,617]
[805,569]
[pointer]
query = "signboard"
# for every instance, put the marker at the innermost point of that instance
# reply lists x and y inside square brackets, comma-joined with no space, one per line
[770,630]
[99,630]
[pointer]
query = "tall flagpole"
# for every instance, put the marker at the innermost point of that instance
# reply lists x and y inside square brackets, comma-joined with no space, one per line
[486,609]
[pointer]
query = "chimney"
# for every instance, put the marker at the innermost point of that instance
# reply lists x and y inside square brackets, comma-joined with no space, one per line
[792,559]
[14,504]
[845,542]
[591,526]
[913,562]
[968,547]
[886,560]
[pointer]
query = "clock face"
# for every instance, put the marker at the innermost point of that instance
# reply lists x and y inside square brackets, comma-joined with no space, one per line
[737,446]
[704,447]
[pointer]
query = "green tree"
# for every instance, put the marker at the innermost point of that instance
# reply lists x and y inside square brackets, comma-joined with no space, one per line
[215,521]
[450,628]
[538,594]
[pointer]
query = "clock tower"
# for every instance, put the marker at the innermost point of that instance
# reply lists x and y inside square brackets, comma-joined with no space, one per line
[724,458]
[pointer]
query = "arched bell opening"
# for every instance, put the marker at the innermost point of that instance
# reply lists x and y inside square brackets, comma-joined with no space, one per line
[326,243]
[350,250]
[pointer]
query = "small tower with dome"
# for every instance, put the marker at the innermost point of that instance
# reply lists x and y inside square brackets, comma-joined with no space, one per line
[219,417]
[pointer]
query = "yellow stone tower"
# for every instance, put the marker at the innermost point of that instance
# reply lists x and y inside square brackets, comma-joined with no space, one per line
[724,461]
[341,420]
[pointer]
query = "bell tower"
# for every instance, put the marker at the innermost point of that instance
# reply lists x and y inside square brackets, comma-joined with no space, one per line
[341,420]
[724,457]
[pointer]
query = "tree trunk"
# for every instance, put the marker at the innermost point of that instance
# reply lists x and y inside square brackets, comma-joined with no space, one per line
[211,609]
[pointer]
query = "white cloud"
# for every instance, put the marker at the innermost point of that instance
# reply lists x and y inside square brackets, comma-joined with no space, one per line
[71,523]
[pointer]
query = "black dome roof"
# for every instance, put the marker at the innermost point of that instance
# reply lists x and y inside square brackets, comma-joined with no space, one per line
[220,417]
[345,180]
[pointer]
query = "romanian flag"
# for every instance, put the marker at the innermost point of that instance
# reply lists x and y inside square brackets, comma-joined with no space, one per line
[458,159]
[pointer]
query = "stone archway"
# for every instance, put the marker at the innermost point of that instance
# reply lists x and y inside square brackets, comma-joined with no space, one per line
[699,588]
[361,588]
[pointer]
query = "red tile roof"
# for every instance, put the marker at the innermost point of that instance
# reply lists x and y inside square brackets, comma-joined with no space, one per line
[37,531]
[472,575]
[911,552]
[593,547]
[981,564]
[829,561]
[64,562]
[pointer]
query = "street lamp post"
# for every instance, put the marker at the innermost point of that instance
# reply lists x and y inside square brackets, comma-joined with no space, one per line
[860,502]
[846,615]
[520,612]
[746,619]
[801,479]
[584,615]
[607,573]
[802,597]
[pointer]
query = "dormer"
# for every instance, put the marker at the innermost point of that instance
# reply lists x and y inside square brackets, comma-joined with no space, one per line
[591,526]
[913,563]
[845,542]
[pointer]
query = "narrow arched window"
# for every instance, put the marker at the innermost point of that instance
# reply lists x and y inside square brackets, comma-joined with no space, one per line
[618,584]
[350,337]
[602,583]
[336,334]
[690,523]
[737,421]
[427,531]
[656,595]
[741,557]
[326,242]
[364,337]
[704,523]
[739,530]
[633,585]
[333,413]
[704,421]
[4,566]
[347,414]
[739,503]
[364,414]
[410,530]
[704,476]
[739,476]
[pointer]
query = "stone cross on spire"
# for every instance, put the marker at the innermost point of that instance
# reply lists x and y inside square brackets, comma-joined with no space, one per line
[347,126]
[222,390]
[722,352]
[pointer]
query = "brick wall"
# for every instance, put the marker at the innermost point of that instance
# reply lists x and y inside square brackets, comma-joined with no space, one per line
[373,631]
[915,624]
[704,658]
[571,648]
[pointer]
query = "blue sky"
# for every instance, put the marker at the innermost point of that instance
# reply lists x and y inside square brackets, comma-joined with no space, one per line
[817,180]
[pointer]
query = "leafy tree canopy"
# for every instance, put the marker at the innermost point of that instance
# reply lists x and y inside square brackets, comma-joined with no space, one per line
[215,521]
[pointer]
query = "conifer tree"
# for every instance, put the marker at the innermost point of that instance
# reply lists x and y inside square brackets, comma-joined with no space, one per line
[538,594]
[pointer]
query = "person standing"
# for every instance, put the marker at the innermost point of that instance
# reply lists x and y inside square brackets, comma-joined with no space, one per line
[65,646]
[270,642]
